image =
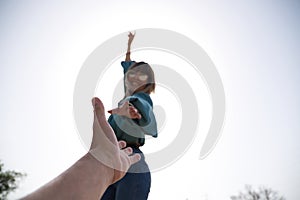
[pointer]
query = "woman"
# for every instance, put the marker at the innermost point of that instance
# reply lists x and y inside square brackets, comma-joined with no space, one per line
[131,121]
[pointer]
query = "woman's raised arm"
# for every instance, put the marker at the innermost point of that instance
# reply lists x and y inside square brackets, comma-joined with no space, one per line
[130,39]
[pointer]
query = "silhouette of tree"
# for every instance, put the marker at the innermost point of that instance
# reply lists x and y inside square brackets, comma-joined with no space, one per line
[262,193]
[8,181]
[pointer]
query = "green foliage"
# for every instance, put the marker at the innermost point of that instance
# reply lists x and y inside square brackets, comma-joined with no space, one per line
[262,193]
[8,181]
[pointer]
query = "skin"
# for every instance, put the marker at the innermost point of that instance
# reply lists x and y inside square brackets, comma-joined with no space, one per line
[133,83]
[127,110]
[130,39]
[106,162]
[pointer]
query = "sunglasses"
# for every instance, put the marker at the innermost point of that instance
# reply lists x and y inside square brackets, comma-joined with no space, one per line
[141,77]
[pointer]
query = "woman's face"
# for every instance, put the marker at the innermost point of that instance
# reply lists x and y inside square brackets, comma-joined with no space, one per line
[135,78]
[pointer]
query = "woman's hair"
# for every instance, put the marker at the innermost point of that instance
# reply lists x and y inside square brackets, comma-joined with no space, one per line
[145,68]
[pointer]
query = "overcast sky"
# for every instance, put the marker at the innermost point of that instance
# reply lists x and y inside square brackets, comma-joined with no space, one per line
[253,44]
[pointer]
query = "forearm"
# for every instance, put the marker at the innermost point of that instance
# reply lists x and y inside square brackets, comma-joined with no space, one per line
[86,179]
[127,58]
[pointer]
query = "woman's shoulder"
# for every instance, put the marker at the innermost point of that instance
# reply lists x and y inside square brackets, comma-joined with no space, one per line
[127,64]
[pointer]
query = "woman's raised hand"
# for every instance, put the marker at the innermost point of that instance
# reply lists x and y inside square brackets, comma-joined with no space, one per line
[130,37]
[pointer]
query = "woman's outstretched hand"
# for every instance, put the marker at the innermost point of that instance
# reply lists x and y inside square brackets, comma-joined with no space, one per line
[127,110]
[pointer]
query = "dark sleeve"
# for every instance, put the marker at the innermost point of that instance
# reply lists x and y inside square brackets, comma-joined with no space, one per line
[126,65]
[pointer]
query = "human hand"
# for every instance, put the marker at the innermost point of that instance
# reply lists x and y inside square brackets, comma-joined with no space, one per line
[106,162]
[127,110]
[105,147]
[130,37]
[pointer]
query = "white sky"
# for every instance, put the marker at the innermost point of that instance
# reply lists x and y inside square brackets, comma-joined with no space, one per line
[254,45]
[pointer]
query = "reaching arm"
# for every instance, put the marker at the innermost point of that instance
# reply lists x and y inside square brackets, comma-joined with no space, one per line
[130,39]
[106,162]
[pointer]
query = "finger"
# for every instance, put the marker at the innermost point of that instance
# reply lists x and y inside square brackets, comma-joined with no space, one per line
[96,102]
[130,34]
[135,115]
[133,110]
[128,150]
[139,116]
[131,107]
[122,144]
[134,158]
